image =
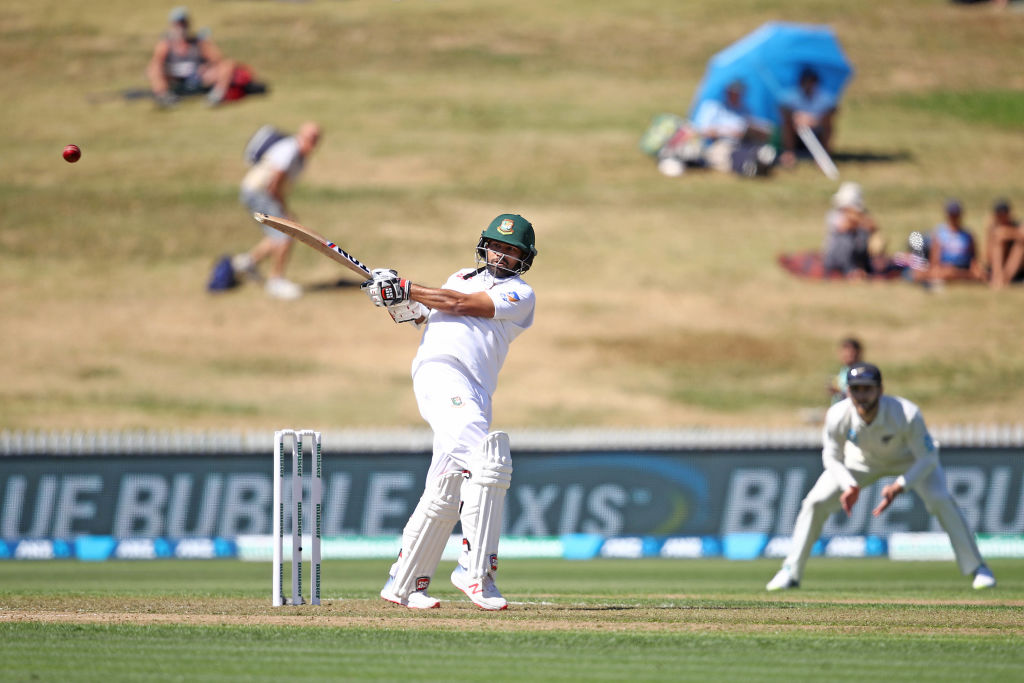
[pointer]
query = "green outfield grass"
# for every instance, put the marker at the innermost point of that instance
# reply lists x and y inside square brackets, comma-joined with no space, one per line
[599,620]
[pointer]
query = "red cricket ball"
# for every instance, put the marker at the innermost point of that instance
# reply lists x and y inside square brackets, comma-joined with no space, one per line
[72,154]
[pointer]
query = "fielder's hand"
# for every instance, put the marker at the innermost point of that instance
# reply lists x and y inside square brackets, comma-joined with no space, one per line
[888,494]
[848,498]
[386,288]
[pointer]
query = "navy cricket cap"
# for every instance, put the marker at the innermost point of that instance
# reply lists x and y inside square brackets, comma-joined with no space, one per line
[863,374]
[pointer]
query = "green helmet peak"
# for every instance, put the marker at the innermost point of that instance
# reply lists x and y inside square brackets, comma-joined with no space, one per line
[510,228]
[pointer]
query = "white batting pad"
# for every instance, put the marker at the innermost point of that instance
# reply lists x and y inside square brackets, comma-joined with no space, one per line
[483,505]
[426,534]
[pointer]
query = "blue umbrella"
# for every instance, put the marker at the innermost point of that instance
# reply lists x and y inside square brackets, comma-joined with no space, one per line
[769,62]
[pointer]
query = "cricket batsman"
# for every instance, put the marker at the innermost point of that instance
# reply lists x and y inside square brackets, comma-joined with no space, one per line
[868,436]
[468,326]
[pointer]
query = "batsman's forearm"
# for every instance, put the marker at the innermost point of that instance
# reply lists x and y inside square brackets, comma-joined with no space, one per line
[450,301]
[440,299]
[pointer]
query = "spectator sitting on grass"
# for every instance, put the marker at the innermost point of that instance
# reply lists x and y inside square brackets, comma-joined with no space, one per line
[953,256]
[726,124]
[850,230]
[1005,247]
[807,105]
[184,63]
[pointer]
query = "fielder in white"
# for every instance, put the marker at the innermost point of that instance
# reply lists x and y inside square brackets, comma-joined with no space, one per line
[868,436]
[469,324]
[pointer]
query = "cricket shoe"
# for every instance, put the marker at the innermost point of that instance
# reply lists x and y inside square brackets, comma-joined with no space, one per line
[783,580]
[415,600]
[983,578]
[279,288]
[481,591]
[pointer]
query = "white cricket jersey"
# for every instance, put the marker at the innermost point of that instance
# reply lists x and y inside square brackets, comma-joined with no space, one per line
[478,344]
[896,441]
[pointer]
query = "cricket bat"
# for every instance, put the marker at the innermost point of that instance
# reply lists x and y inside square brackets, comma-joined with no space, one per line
[314,239]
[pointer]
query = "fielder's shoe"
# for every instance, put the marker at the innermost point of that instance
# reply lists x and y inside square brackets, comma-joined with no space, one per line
[983,578]
[279,288]
[783,580]
[243,263]
[482,591]
[416,600]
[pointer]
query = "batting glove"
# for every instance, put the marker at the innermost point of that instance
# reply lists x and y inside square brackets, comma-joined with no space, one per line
[386,288]
[394,291]
[370,289]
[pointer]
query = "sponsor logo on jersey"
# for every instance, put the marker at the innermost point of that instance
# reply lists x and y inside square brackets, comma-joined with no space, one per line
[507,227]
[457,401]
[851,435]
[511,298]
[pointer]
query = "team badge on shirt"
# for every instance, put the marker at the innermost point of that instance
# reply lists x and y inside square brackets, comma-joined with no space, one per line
[511,298]
[457,401]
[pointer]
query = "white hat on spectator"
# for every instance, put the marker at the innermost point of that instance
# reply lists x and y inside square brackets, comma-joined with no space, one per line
[849,195]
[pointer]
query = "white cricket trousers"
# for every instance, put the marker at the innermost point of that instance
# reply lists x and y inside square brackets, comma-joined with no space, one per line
[457,410]
[823,500]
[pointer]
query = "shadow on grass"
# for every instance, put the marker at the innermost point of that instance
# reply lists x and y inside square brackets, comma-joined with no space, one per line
[332,285]
[869,157]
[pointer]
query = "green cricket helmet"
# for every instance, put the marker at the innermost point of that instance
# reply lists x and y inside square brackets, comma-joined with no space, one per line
[510,228]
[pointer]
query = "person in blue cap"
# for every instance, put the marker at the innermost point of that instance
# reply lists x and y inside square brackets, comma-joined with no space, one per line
[867,436]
